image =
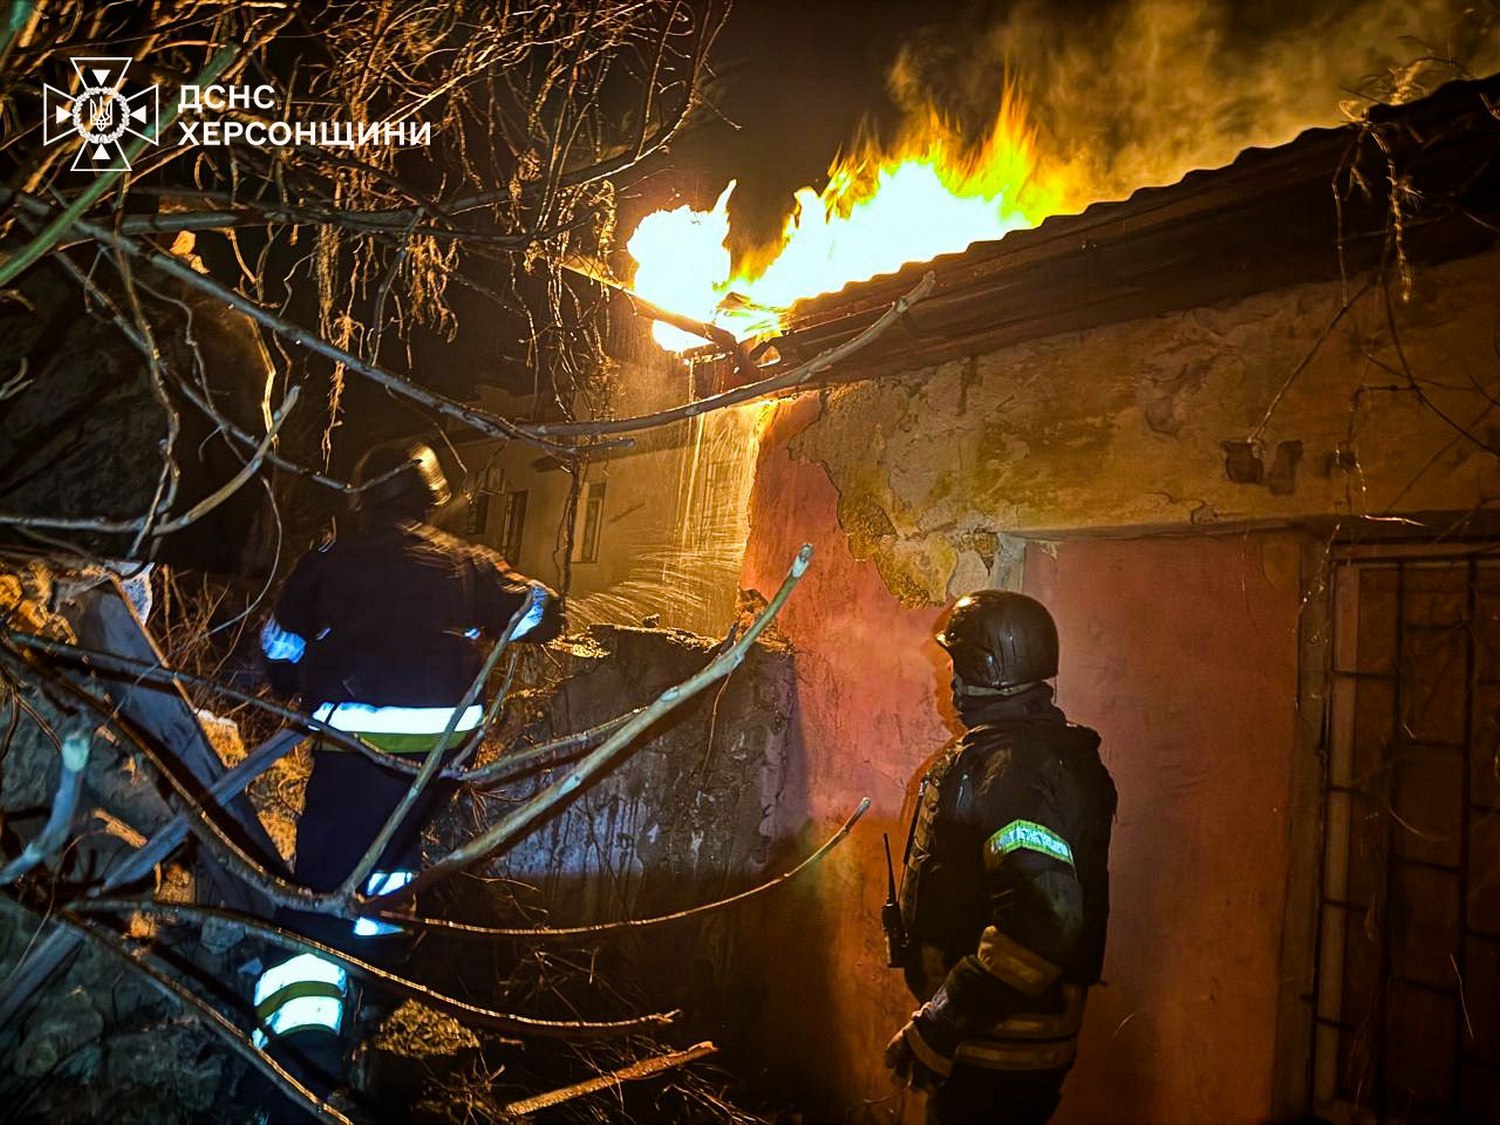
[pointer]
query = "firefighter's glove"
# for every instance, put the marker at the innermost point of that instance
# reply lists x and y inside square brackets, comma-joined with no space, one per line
[920,1055]
[537,598]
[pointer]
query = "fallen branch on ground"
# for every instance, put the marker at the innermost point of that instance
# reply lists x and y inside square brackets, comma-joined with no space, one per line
[636,1070]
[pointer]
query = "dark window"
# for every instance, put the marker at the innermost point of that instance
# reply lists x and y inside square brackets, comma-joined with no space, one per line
[512,525]
[593,516]
[479,514]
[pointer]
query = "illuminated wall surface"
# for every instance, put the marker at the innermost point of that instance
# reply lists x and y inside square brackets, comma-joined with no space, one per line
[1089,469]
[1048,465]
[666,533]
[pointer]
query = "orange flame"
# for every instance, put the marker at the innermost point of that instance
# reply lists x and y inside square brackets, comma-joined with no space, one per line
[929,194]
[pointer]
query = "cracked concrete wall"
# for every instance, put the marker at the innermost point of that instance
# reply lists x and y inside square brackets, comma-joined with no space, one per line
[1127,425]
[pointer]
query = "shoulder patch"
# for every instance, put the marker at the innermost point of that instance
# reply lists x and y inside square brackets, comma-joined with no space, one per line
[1026,834]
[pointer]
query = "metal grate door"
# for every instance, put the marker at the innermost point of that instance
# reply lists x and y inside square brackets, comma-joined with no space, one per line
[1408,987]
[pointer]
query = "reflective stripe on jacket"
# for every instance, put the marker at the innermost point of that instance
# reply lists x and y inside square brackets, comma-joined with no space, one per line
[1005,894]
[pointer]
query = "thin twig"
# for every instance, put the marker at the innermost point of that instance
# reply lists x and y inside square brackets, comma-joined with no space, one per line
[798,374]
[550,933]
[516,763]
[502,834]
[234,483]
[471,1014]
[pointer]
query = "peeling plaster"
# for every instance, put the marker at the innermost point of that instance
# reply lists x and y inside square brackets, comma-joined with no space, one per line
[1124,426]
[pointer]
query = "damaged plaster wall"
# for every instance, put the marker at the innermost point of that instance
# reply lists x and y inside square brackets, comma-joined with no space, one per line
[1184,651]
[1143,424]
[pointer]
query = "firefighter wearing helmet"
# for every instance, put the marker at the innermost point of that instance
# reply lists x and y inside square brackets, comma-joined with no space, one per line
[381,633]
[1005,893]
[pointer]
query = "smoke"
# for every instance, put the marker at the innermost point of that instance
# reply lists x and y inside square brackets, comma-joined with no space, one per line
[1138,92]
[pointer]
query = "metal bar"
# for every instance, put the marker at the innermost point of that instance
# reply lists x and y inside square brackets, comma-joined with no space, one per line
[1460,960]
[1381,1048]
[1426,986]
[1322,1078]
[1425,864]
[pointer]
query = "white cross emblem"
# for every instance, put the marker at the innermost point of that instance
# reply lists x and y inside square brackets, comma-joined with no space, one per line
[100,113]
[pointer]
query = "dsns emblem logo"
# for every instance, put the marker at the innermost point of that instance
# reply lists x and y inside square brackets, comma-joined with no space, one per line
[101,113]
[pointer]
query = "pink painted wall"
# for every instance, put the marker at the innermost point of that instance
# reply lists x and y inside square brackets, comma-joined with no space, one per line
[868,674]
[1183,654]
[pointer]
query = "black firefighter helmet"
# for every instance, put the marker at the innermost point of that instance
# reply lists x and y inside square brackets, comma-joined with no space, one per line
[999,640]
[403,480]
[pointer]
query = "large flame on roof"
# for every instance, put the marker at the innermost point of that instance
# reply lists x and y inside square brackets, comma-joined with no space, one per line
[930,193]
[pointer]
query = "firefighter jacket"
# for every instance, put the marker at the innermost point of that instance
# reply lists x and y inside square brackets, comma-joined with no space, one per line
[398,616]
[1005,895]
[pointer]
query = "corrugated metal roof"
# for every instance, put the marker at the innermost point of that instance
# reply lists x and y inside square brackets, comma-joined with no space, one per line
[1299,212]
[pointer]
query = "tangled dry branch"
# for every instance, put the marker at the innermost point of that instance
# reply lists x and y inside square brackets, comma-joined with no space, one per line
[80,913]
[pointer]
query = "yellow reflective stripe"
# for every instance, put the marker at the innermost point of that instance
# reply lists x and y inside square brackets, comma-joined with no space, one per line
[991,1055]
[396,743]
[1044,1025]
[409,743]
[287,993]
[926,1055]
[1013,963]
[1026,834]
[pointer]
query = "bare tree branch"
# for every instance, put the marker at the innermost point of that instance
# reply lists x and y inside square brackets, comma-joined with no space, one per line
[514,823]
[798,375]
[607,929]
[506,1022]
[635,1071]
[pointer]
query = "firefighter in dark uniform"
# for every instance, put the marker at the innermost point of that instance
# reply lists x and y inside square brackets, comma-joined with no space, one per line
[381,634]
[1005,895]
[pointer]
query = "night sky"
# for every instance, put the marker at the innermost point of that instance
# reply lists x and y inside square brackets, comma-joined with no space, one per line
[1125,93]
[1128,92]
